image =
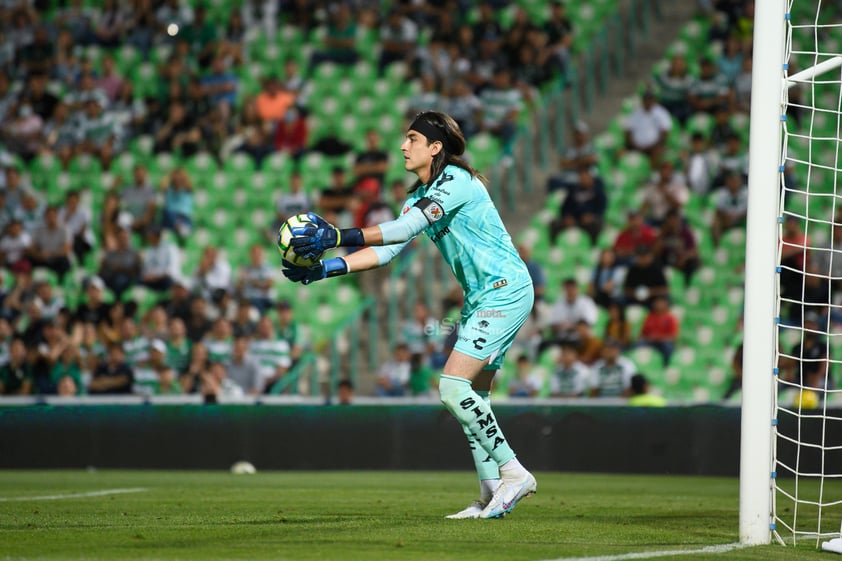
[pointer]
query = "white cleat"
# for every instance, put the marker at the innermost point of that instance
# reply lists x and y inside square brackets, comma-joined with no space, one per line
[508,494]
[473,510]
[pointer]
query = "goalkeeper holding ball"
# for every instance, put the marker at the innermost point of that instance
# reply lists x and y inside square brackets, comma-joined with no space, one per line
[450,203]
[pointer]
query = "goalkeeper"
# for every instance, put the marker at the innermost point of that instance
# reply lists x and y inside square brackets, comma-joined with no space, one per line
[450,203]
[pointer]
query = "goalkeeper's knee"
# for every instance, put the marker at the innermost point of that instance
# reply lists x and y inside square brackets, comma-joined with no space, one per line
[453,391]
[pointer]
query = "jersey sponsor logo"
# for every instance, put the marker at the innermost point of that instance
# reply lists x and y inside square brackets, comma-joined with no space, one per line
[500,283]
[440,234]
[433,212]
[479,342]
[445,177]
[483,324]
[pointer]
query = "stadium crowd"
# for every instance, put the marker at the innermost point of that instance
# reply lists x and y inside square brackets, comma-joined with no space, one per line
[211,329]
[216,330]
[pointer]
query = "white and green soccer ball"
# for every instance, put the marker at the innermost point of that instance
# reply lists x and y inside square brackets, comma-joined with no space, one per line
[285,240]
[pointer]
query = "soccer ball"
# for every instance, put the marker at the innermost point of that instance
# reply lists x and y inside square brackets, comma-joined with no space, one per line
[243,468]
[285,238]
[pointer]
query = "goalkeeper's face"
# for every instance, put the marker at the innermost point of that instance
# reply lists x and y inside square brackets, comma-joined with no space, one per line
[418,153]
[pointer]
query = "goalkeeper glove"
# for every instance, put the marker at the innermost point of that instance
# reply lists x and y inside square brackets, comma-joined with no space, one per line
[323,269]
[311,241]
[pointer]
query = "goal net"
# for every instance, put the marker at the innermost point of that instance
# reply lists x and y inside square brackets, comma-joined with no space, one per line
[806,477]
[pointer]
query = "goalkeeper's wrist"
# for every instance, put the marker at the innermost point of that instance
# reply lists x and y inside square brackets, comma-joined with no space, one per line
[350,237]
[335,266]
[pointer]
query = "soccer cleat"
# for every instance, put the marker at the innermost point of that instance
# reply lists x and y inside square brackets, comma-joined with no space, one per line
[508,494]
[473,510]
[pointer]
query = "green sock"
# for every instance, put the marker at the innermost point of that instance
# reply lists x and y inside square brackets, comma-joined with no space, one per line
[486,467]
[476,417]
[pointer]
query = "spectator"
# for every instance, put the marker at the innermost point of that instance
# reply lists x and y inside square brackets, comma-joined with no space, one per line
[674,85]
[676,246]
[640,393]
[290,202]
[38,97]
[191,379]
[23,289]
[344,392]
[272,353]
[340,40]
[179,133]
[527,381]
[588,344]
[731,204]
[742,87]
[536,272]
[371,165]
[219,341]
[77,219]
[197,323]
[648,127]
[212,277]
[52,245]
[730,62]
[794,255]
[25,131]
[645,279]
[559,31]
[578,155]
[221,86]
[14,189]
[274,101]
[605,286]
[635,235]
[214,384]
[584,207]
[611,376]
[32,211]
[710,90]
[161,261]
[139,200]
[242,368]
[112,375]
[659,329]
[177,211]
[100,132]
[15,244]
[393,375]
[112,220]
[700,165]
[722,128]
[50,304]
[570,376]
[256,280]
[335,197]
[200,35]
[289,329]
[120,268]
[93,309]
[430,98]
[665,193]
[617,327]
[502,104]
[245,319]
[291,133]
[568,310]
[398,39]
[16,374]
[178,346]
[422,378]
[732,159]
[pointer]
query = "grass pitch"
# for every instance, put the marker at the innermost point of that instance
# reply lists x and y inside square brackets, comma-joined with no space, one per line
[365,516]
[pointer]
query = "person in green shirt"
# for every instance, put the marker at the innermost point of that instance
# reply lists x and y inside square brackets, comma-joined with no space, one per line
[68,366]
[422,379]
[640,393]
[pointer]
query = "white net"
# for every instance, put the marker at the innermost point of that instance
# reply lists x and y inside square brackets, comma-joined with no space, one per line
[808,449]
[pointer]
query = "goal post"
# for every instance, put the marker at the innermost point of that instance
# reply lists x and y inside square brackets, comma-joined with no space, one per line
[762,231]
[791,443]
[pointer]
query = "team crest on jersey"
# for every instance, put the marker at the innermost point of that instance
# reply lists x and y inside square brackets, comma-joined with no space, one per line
[433,212]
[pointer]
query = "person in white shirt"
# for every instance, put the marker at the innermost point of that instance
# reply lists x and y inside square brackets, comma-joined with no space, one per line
[393,375]
[78,220]
[731,205]
[611,376]
[213,273]
[256,280]
[568,310]
[648,126]
[666,192]
[161,261]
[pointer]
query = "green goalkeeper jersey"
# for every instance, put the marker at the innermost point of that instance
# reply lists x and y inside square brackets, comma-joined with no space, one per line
[468,231]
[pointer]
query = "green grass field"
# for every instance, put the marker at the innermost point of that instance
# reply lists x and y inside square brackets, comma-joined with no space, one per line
[366,516]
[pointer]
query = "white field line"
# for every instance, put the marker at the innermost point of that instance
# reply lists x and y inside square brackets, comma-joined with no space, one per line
[722,548]
[74,495]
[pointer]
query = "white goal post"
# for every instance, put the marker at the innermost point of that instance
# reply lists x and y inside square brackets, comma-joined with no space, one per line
[789,478]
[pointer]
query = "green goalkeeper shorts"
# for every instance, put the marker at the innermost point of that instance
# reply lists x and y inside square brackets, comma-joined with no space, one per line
[487,331]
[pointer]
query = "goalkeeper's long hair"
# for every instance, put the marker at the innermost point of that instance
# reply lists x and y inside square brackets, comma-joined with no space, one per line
[452,150]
